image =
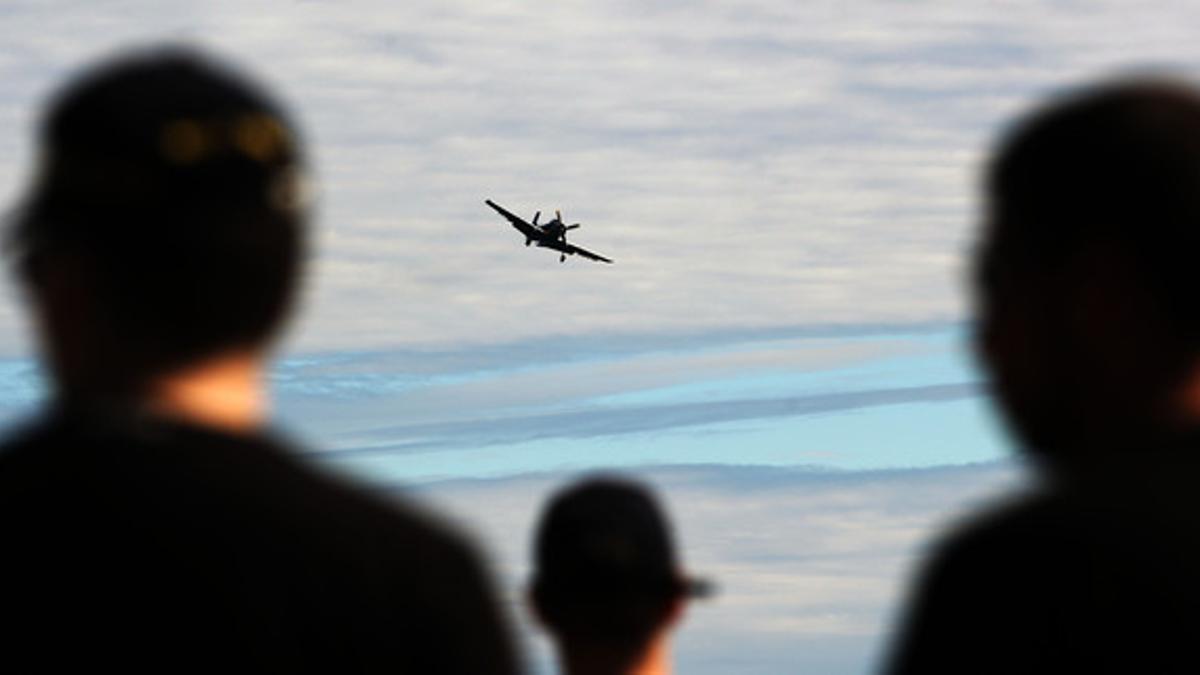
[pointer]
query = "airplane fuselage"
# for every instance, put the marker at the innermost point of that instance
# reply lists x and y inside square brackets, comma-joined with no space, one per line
[555,230]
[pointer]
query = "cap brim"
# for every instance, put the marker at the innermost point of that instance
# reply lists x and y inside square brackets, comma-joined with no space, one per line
[694,587]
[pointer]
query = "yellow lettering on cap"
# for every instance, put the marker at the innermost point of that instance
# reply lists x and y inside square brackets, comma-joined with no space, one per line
[259,136]
[184,141]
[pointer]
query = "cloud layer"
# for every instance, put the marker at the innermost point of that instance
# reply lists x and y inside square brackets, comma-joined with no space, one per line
[870,399]
[748,165]
[425,437]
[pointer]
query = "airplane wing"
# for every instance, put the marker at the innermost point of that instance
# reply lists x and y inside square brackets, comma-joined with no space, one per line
[572,249]
[525,228]
[587,254]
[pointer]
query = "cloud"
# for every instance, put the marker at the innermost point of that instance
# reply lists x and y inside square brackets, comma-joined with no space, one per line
[772,164]
[477,380]
[568,399]
[852,397]
[423,437]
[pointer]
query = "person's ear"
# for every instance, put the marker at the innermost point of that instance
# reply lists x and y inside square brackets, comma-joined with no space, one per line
[675,611]
[533,605]
[61,287]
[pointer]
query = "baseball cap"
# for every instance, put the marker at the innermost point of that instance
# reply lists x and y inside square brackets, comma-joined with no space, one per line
[607,535]
[149,139]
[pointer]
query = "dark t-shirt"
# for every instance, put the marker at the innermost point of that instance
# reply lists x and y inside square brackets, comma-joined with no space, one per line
[148,545]
[1100,573]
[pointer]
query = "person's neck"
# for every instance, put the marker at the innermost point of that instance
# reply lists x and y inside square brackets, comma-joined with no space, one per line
[226,392]
[654,660]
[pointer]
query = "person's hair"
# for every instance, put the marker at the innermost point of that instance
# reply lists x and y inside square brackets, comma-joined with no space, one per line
[1117,164]
[606,572]
[177,181]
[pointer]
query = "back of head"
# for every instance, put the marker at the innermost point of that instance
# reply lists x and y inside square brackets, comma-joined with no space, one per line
[173,183]
[1120,162]
[606,572]
[1092,235]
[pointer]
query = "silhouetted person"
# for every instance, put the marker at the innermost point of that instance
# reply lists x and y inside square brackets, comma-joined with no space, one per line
[1089,323]
[607,584]
[149,522]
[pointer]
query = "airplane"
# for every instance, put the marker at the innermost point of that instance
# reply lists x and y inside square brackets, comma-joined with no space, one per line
[552,235]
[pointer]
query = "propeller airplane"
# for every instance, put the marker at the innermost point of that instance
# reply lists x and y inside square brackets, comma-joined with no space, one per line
[552,234]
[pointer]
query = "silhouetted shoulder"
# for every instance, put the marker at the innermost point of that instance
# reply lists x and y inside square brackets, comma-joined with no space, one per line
[230,549]
[1053,584]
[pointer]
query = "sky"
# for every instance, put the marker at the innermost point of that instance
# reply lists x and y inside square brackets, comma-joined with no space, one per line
[789,191]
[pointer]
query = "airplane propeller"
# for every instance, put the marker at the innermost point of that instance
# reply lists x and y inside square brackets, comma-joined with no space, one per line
[535,217]
[558,216]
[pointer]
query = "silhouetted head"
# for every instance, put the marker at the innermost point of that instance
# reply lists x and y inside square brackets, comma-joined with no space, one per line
[164,224]
[1089,315]
[606,574]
